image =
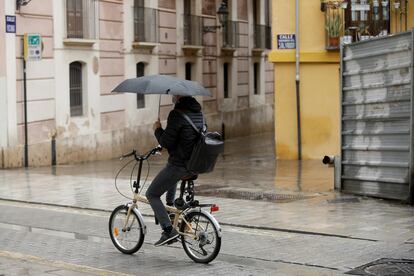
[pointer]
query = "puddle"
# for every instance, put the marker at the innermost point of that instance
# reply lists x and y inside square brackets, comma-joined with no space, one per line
[55,233]
[230,192]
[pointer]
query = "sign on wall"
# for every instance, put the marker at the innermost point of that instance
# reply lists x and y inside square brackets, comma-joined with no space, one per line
[10,24]
[32,47]
[286,41]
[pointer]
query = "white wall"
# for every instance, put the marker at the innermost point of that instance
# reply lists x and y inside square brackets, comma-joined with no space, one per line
[132,56]
[89,123]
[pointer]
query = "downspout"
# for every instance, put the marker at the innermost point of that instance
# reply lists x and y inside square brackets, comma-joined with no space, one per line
[297,56]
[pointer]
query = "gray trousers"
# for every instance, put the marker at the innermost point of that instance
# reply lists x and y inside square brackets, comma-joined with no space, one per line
[165,181]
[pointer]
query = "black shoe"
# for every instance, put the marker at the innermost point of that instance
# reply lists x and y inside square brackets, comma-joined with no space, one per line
[167,238]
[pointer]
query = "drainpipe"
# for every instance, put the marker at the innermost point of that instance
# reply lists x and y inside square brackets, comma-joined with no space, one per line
[298,84]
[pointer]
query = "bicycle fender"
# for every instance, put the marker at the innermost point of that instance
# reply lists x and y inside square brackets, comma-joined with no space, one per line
[213,219]
[140,217]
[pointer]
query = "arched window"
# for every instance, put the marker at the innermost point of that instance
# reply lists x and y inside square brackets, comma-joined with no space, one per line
[188,68]
[75,89]
[140,73]
[226,80]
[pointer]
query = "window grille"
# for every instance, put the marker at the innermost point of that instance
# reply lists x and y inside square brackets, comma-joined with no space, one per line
[75,87]
[80,19]
[188,68]
[226,80]
[231,34]
[145,23]
[256,72]
[193,30]
[140,73]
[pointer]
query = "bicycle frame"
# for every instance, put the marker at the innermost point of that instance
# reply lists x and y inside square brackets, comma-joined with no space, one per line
[179,215]
[139,198]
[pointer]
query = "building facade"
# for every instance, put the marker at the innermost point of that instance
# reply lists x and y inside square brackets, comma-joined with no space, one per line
[89,46]
[321,23]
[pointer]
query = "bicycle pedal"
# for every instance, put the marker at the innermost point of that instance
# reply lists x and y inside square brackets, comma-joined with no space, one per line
[172,241]
[156,221]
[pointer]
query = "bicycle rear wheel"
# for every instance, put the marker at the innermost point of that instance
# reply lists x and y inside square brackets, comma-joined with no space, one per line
[205,245]
[128,240]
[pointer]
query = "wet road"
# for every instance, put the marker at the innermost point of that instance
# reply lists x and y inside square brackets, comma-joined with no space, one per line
[248,162]
[295,223]
[42,240]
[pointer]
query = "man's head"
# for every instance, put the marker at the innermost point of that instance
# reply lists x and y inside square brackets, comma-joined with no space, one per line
[176,98]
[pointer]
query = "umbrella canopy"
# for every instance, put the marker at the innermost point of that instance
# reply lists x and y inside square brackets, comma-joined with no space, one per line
[162,84]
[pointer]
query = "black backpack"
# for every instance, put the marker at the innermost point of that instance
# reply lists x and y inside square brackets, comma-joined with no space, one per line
[206,150]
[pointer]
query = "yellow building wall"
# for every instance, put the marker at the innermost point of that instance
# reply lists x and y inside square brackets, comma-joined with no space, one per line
[396,25]
[319,83]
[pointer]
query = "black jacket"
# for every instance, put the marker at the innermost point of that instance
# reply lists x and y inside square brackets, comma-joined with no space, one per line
[179,137]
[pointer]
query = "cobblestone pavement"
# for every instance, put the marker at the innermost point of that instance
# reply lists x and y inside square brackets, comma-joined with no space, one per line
[42,240]
[316,231]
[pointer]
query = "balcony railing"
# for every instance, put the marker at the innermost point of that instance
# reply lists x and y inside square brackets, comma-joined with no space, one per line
[193,30]
[231,34]
[262,37]
[145,24]
[81,18]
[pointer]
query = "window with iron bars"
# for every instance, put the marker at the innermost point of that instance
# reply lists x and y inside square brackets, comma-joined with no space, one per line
[75,89]
[145,23]
[80,19]
[262,37]
[262,33]
[256,78]
[140,73]
[193,29]
[231,34]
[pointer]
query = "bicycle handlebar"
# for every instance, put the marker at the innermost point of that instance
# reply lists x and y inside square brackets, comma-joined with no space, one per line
[142,157]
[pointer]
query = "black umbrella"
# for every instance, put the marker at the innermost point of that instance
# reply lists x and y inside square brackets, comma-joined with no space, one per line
[162,84]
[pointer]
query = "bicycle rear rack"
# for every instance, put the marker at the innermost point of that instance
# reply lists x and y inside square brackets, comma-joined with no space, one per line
[187,190]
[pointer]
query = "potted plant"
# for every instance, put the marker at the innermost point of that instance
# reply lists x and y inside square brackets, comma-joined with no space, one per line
[334,27]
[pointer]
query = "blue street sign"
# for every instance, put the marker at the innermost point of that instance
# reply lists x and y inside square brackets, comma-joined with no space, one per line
[286,41]
[10,24]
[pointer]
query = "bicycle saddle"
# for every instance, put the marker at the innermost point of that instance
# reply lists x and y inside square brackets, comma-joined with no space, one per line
[189,177]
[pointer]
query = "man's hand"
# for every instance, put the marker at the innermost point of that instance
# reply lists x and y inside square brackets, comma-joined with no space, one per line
[157,124]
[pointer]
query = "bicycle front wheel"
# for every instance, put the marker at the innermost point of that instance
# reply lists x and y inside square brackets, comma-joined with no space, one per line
[201,241]
[127,238]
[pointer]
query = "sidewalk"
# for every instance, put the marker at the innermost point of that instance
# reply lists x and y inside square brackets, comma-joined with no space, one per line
[303,199]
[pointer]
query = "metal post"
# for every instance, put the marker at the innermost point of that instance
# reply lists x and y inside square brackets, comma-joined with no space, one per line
[26,149]
[297,57]
[53,151]
[411,165]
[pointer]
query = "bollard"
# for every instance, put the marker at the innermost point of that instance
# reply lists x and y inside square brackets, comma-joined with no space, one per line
[334,161]
[53,135]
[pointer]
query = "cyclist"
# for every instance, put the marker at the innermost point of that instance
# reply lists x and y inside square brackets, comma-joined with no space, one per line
[178,138]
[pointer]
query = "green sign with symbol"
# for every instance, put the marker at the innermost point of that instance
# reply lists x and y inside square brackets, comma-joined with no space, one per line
[32,47]
[34,40]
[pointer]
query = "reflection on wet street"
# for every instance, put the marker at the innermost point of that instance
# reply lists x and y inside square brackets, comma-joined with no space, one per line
[248,169]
